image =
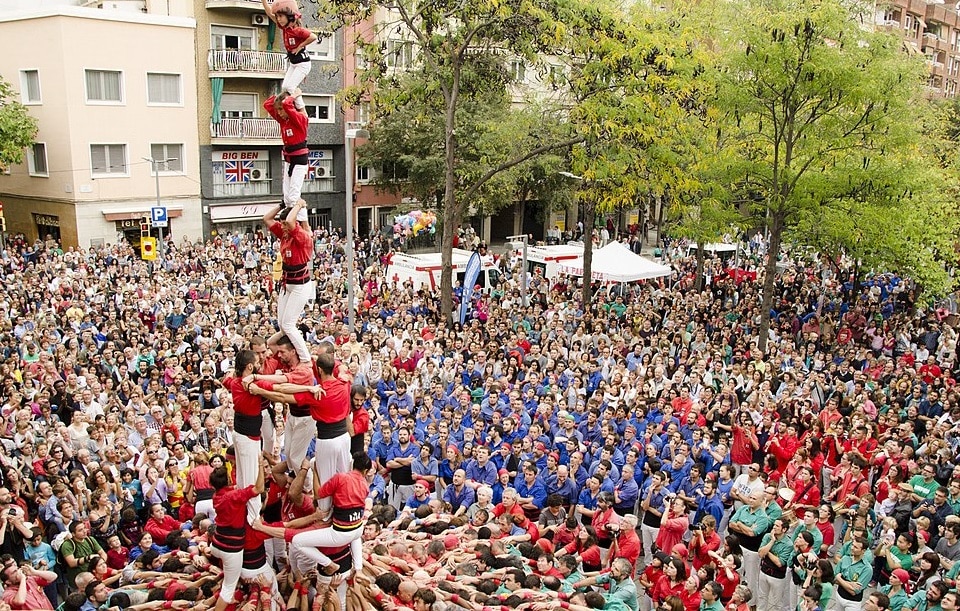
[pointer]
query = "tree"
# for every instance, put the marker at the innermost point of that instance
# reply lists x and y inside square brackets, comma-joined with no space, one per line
[448,36]
[17,128]
[817,107]
[638,103]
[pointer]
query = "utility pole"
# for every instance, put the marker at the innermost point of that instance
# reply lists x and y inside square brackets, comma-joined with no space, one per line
[155,165]
[523,272]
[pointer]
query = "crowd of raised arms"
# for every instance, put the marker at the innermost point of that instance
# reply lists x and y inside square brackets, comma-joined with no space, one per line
[205,433]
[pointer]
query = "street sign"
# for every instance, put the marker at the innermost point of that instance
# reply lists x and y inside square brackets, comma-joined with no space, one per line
[148,249]
[158,215]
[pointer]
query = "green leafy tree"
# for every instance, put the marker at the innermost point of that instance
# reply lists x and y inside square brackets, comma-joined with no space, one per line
[448,37]
[818,109]
[17,128]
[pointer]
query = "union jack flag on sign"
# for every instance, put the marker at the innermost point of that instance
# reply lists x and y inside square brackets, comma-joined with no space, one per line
[238,171]
[315,170]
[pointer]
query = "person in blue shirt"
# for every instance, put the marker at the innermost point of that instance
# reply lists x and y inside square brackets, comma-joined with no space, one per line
[458,495]
[481,470]
[625,491]
[502,483]
[690,486]
[603,471]
[531,489]
[425,466]
[565,486]
[403,400]
[709,503]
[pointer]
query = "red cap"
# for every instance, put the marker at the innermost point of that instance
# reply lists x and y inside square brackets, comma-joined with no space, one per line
[424,483]
[450,542]
[541,446]
[508,447]
[502,472]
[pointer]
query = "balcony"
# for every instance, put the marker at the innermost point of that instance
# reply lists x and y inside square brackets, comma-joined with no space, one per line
[246,131]
[930,38]
[244,5]
[234,63]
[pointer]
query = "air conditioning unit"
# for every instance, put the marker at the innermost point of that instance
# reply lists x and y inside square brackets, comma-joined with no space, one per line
[321,171]
[257,174]
[260,19]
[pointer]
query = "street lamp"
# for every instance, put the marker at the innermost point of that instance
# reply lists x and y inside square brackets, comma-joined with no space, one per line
[155,166]
[353,131]
[523,271]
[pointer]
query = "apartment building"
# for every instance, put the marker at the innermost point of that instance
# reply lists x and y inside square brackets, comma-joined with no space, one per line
[931,28]
[240,63]
[110,89]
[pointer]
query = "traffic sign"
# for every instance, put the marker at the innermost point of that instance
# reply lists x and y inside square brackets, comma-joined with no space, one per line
[158,215]
[148,249]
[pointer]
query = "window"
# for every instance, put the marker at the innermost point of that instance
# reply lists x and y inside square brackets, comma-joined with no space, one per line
[104,86]
[29,86]
[362,112]
[518,71]
[363,173]
[323,48]
[225,37]
[238,105]
[399,54]
[174,152]
[37,159]
[164,89]
[108,159]
[319,108]
[319,172]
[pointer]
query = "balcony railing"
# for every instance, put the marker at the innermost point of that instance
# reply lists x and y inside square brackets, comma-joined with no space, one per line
[246,129]
[255,63]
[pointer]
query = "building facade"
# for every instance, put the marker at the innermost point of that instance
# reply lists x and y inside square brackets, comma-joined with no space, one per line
[930,28]
[240,63]
[104,111]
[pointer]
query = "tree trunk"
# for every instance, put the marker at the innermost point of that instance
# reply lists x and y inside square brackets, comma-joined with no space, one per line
[589,218]
[770,277]
[698,278]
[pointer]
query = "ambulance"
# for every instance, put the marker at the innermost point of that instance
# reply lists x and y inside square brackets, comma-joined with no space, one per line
[546,260]
[424,270]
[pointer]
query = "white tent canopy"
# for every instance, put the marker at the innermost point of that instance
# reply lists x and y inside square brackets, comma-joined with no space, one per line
[617,263]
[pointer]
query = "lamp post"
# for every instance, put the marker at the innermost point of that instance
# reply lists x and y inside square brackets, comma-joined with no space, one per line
[155,166]
[353,131]
[523,271]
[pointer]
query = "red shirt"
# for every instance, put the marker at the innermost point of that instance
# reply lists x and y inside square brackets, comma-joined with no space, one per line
[160,529]
[333,406]
[293,37]
[349,492]
[296,247]
[231,502]
[628,546]
[361,421]
[663,588]
[293,127]
[36,599]
[243,402]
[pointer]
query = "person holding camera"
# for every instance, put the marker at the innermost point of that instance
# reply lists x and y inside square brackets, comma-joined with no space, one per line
[704,540]
[673,524]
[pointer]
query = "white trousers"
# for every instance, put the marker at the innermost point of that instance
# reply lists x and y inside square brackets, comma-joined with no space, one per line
[306,543]
[399,494]
[838,603]
[297,435]
[332,456]
[248,462]
[269,576]
[232,565]
[207,508]
[293,182]
[648,536]
[773,593]
[751,570]
[294,77]
[293,298]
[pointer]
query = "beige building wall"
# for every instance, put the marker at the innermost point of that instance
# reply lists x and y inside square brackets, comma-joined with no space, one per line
[91,207]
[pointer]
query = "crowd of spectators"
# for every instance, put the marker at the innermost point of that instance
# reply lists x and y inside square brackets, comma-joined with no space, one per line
[641,451]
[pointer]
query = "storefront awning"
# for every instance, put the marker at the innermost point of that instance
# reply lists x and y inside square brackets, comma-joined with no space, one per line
[238,213]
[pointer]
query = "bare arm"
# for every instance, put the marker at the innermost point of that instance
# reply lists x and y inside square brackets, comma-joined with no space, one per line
[268,10]
[270,395]
[270,218]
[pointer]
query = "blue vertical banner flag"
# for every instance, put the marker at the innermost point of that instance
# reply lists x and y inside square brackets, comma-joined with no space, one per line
[469,279]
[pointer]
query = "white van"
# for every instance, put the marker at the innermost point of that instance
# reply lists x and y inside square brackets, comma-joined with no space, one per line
[546,260]
[424,270]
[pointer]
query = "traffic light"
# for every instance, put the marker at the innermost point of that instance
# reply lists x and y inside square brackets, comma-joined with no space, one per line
[144,227]
[148,249]
[3,224]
